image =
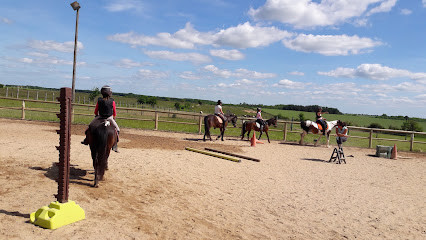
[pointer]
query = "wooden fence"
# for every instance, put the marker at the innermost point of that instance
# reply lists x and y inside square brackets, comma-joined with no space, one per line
[287,125]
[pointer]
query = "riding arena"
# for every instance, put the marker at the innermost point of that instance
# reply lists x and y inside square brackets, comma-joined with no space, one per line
[155,189]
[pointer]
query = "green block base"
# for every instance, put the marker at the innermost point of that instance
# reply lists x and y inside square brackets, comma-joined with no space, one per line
[57,215]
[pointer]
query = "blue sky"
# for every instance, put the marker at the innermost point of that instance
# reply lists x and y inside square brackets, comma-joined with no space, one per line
[360,56]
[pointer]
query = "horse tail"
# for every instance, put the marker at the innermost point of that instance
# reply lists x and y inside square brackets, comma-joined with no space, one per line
[101,139]
[304,126]
[243,129]
[206,126]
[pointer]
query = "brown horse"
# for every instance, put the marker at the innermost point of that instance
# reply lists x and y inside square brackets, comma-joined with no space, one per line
[101,137]
[216,122]
[251,125]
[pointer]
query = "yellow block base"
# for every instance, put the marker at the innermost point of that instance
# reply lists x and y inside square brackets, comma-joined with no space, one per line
[57,215]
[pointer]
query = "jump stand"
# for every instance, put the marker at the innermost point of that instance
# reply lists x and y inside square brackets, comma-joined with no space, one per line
[337,156]
[62,211]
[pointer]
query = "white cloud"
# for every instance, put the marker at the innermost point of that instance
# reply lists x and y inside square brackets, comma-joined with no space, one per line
[330,45]
[310,13]
[285,83]
[241,84]
[38,54]
[5,20]
[385,6]
[128,63]
[124,5]
[406,12]
[238,73]
[26,60]
[48,60]
[189,75]
[296,73]
[151,75]
[248,36]
[242,36]
[424,3]
[227,54]
[373,71]
[195,58]
[54,46]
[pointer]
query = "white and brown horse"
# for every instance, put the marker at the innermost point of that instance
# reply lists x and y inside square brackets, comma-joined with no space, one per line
[315,128]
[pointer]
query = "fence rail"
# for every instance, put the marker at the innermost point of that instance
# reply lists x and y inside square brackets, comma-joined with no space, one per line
[285,130]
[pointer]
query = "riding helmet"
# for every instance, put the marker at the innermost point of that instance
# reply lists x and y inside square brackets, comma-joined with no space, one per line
[219,102]
[106,91]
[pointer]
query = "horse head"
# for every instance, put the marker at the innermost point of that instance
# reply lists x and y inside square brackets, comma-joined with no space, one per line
[232,118]
[272,121]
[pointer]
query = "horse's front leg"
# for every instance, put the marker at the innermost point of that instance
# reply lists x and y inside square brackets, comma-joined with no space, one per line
[96,183]
[248,135]
[328,140]
[260,135]
[267,136]
[302,135]
[222,132]
[318,140]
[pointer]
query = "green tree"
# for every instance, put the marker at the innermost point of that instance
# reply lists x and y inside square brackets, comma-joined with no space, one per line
[375,125]
[94,93]
[301,117]
[177,106]
[411,125]
[142,99]
[152,101]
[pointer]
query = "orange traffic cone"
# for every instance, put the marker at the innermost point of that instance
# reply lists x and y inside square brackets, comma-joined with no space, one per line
[394,152]
[253,139]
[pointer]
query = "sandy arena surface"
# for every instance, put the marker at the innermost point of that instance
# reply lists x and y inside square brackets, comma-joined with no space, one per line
[157,190]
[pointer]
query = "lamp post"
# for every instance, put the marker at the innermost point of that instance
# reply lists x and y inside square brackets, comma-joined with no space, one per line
[76,6]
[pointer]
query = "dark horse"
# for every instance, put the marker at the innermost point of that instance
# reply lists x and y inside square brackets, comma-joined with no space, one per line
[251,125]
[216,122]
[101,137]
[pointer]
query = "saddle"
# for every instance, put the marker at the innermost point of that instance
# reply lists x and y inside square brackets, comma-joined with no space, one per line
[219,119]
[319,126]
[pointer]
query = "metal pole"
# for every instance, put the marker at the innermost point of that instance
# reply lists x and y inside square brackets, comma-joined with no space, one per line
[75,56]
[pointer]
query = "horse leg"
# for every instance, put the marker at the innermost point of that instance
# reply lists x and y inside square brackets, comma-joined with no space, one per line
[318,140]
[267,136]
[302,135]
[328,140]
[260,135]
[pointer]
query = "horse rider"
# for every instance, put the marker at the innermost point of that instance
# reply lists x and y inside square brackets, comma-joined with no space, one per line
[105,109]
[259,119]
[218,111]
[321,120]
[342,133]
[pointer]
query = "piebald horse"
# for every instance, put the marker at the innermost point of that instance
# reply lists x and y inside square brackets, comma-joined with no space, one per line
[308,125]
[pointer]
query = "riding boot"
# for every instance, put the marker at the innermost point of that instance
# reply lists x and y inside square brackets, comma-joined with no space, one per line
[85,141]
[115,148]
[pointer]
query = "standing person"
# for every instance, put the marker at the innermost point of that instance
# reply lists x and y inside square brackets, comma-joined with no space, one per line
[321,120]
[218,111]
[259,118]
[105,109]
[342,133]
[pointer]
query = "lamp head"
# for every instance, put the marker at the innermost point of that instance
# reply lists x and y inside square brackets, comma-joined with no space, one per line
[75,5]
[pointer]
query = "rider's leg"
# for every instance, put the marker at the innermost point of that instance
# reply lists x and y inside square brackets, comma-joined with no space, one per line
[86,141]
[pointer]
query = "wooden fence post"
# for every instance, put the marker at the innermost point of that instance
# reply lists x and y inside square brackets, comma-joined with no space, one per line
[412,142]
[17,93]
[37,96]
[7,91]
[23,109]
[199,123]
[28,94]
[285,132]
[370,140]
[156,121]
